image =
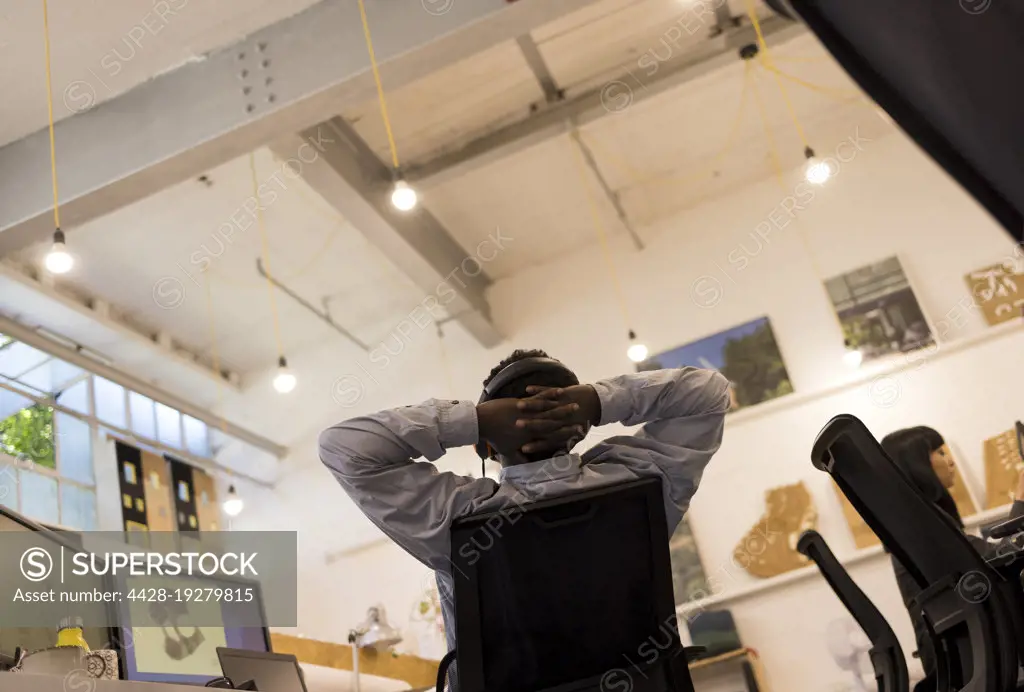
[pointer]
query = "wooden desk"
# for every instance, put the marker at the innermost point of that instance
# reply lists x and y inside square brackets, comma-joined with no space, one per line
[748,659]
[416,671]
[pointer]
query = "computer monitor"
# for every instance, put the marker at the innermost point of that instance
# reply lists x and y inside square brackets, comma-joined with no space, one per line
[270,672]
[159,643]
[11,578]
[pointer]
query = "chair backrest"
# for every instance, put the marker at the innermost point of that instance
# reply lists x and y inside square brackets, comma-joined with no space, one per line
[968,607]
[886,654]
[572,593]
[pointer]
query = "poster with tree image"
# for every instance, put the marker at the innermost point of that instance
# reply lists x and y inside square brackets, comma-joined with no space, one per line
[747,355]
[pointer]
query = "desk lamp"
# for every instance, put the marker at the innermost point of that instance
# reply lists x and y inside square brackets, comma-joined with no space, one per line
[373,633]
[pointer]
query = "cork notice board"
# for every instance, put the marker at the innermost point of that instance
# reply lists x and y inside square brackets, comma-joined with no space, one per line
[769,547]
[1002,467]
[999,292]
[206,501]
[864,537]
[157,482]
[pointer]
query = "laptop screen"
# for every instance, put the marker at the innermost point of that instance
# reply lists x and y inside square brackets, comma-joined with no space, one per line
[270,672]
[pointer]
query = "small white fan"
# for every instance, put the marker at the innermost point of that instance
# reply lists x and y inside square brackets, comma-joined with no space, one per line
[849,647]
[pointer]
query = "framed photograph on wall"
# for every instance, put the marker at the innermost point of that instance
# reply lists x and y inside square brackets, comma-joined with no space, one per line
[747,355]
[689,581]
[878,310]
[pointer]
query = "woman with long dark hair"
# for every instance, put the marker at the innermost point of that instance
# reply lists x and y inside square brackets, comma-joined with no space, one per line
[925,459]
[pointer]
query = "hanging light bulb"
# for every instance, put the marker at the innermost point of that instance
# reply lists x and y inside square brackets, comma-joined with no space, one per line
[816,171]
[284,381]
[853,356]
[637,352]
[233,505]
[403,197]
[58,259]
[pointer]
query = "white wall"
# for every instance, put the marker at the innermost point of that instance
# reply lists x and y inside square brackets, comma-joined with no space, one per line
[704,271]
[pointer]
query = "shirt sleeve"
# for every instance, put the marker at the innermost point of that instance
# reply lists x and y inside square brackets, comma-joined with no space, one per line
[372,457]
[683,415]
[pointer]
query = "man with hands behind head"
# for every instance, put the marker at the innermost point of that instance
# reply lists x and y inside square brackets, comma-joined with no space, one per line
[532,413]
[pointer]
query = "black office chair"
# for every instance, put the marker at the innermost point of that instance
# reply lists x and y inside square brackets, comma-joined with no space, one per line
[973,614]
[886,654]
[572,593]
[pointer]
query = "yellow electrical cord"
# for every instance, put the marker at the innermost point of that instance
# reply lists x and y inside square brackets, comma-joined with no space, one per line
[850,94]
[49,108]
[215,352]
[640,178]
[769,135]
[266,255]
[380,87]
[843,96]
[777,167]
[765,56]
[336,220]
[801,58]
[332,235]
[599,228]
[314,259]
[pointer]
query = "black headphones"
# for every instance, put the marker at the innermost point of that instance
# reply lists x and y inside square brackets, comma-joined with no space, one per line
[511,373]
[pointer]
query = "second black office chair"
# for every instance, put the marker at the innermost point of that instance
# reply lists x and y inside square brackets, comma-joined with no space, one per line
[886,654]
[973,613]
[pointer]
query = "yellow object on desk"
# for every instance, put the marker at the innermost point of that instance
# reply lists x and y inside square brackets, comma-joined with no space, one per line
[69,633]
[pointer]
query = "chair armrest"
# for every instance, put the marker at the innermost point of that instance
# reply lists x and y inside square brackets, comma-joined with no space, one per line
[692,653]
[1006,528]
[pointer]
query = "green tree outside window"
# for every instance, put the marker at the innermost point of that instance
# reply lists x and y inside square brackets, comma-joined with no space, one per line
[28,435]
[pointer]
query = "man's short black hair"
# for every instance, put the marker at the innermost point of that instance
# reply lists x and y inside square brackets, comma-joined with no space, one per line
[517,355]
[517,388]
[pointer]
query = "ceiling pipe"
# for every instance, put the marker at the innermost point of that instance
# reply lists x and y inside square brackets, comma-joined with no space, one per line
[302,302]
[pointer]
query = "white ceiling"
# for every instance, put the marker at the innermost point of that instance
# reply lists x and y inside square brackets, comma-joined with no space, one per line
[496,87]
[662,156]
[152,260]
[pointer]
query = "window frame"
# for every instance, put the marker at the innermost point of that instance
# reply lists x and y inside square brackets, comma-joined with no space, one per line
[97,427]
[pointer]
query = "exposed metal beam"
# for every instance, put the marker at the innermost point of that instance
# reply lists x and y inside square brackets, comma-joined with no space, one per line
[540,70]
[609,193]
[614,96]
[29,336]
[351,178]
[281,79]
